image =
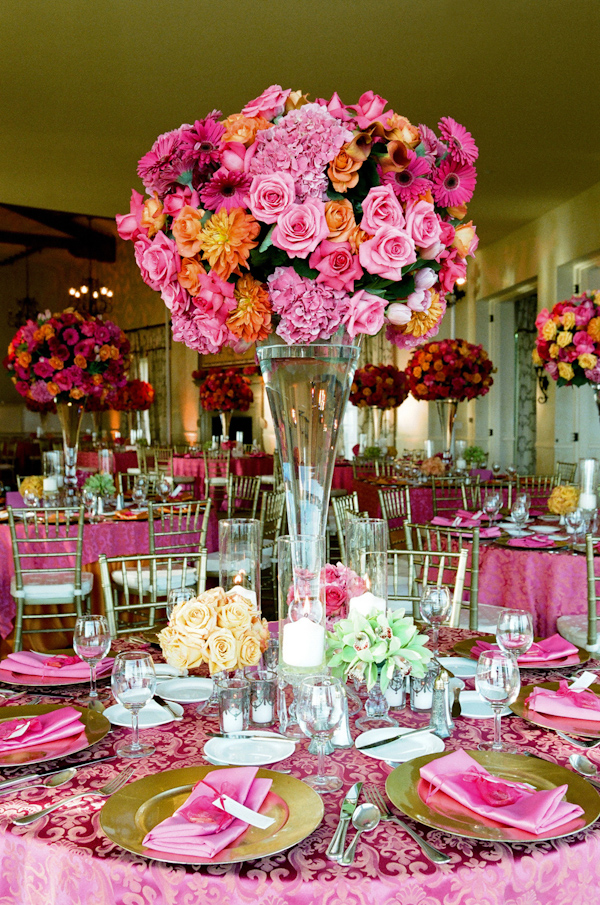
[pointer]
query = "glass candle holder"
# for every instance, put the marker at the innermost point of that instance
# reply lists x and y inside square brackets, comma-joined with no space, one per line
[421,691]
[106,461]
[239,557]
[233,697]
[271,655]
[588,481]
[301,611]
[395,693]
[366,554]
[263,693]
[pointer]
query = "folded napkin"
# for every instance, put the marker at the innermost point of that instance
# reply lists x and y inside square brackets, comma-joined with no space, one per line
[579,705]
[57,666]
[198,828]
[510,803]
[473,516]
[127,515]
[25,732]
[456,522]
[553,648]
[534,541]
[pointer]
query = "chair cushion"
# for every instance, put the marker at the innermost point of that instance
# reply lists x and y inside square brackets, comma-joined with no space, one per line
[574,629]
[191,578]
[218,481]
[51,586]
[183,479]
[487,618]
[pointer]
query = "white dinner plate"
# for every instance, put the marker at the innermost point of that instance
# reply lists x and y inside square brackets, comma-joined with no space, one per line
[163,670]
[547,529]
[549,518]
[185,691]
[401,750]
[511,529]
[151,715]
[462,667]
[249,752]
[473,706]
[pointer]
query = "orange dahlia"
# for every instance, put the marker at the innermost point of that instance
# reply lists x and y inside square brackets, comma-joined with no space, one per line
[251,319]
[422,321]
[227,240]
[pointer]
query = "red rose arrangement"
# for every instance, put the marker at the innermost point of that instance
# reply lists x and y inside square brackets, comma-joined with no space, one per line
[225,389]
[449,369]
[382,386]
[42,408]
[135,396]
[61,357]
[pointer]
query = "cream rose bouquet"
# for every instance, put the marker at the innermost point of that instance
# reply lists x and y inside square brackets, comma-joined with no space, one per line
[221,629]
[563,499]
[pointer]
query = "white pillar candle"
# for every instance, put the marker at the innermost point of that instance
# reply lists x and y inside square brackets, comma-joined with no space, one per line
[232,722]
[422,700]
[303,643]
[586,500]
[263,713]
[367,603]
[394,696]
[50,484]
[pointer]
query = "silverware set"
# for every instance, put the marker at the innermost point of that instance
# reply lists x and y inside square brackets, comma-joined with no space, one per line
[105,791]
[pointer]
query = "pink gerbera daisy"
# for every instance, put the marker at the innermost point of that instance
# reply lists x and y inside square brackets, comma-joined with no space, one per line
[454,183]
[202,141]
[410,182]
[226,189]
[462,145]
[160,168]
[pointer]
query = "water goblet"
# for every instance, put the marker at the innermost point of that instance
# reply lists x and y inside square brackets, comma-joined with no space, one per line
[496,469]
[492,504]
[31,499]
[163,489]
[133,684]
[435,607]
[575,522]
[91,642]
[498,682]
[139,494]
[514,632]
[88,498]
[319,710]
[175,596]
[519,513]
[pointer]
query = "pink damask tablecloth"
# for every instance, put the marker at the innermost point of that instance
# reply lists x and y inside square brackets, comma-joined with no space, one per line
[65,857]
[123,460]
[193,466]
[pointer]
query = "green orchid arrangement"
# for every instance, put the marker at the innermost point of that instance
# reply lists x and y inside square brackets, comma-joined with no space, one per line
[372,647]
[101,484]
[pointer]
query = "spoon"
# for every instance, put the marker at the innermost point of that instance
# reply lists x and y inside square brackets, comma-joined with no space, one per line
[584,766]
[365,818]
[52,782]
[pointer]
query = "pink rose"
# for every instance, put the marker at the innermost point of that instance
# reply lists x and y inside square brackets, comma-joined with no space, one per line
[183,196]
[158,260]
[422,223]
[129,225]
[583,342]
[233,156]
[336,264]
[432,252]
[387,252]
[215,298]
[43,368]
[300,229]
[175,297]
[271,195]
[453,268]
[447,232]
[583,314]
[381,208]
[270,104]
[365,314]
[335,107]
[552,368]
[543,316]
[335,599]
[369,109]
[398,314]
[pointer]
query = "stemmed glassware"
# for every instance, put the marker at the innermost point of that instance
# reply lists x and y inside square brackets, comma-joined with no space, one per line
[498,682]
[163,489]
[514,632]
[175,596]
[139,493]
[519,514]
[492,504]
[319,711]
[91,643]
[435,607]
[89,500]
[575,522]
[133,684]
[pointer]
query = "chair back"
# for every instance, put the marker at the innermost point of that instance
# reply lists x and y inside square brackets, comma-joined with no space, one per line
[271,519]
[539,487]
[47,549]
[178,527]
[217,465]
[474,492]
[395,509]
[506,488]
[126,482]
[410,571]
[592,590]
[342,504]
[448,495]
[159,459]
[137,602]
[242,495]
[364,468]
[564,472]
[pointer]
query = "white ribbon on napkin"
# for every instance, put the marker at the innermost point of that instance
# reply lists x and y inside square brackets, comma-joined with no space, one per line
[233,807]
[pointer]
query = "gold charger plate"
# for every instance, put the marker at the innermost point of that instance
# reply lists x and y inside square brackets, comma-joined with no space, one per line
[402,787]
[557,545]
[585,728]
[463,649]
[95,727]
[139,806]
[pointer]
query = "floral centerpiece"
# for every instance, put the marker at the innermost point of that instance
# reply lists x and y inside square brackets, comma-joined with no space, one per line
[475,457]
[371,648]
[32,484]
[134,396]
[563,499]
[221,629]
[449,369]
[338,585]
[568,340]
[382,386]
[100,484]
[224,389]
[42,408]
[434,467]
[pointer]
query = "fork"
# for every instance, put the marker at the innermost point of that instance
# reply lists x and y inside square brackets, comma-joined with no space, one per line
[579,742]
[116,783]
[374,796]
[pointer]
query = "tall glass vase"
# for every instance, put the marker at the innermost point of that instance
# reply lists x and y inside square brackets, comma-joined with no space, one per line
[225,425]
[377,418]
[70,415]
[447,414]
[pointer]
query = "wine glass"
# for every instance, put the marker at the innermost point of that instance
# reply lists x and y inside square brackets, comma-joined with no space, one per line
[163,489]
[496,469]
[139,494]
[175,596]
[575,522]
[498,682]
[435,606]
[133,684]
[91,642]
[492,504]
[519,514]
[514,632]
[319,711]
[88,498]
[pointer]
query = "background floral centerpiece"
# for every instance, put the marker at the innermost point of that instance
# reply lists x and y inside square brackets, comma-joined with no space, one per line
[382,386]
[434,467]
[563,499]
[449,369]
[221,629]
[134,396]
[568,340]
[224,389]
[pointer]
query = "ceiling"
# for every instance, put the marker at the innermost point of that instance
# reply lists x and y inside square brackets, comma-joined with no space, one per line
[88,86]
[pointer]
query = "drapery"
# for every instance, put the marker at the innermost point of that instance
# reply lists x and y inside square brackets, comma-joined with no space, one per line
[525,384]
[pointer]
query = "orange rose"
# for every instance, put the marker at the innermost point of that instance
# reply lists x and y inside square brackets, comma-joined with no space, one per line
[80,361]
[187,231]
[114,353]
[56,363]
[343,171]
[243,129]
[97,380]
[464,238]
[459,212]
[593,329]
[402,129]
[104,353]
[357,238]
[53,388]
[24,359]
[153,217]
[189,275]
[340,220]
[75,393]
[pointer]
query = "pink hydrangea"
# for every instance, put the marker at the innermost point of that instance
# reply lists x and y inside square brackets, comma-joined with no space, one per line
[308,310]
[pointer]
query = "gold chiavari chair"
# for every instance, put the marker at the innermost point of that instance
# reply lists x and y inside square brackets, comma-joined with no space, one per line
[539,488]
[364,468]
[48,584]
[564,472]
[133,603]
[582,630]
[395,509]
[448,495]
[242,496]
[410,571]
[347,502]
[506,488]
[217,466]
[178,527]
[126,482]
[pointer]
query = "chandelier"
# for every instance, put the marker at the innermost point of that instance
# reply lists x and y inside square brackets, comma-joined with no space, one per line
[27,308]
[92,297]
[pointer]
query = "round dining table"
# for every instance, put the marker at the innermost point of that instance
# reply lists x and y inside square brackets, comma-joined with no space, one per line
[66,857]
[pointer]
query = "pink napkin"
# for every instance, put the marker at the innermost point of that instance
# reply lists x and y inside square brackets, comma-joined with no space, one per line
[55,666]
[510,803]
[24,732]
[553,648]
[490,532]
[444,522]
[534,541]
[198,828]
[579,705]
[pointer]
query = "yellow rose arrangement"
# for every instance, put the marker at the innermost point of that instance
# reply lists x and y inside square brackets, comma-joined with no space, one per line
[222,629]
[563,499]
[32,484]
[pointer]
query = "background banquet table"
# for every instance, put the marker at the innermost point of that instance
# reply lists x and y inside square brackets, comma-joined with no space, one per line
[88,459]
[66,858]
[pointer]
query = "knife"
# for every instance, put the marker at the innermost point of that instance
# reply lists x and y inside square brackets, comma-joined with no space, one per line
[27,777]
[253,738]
[166,705]
[394,738]
[335,849]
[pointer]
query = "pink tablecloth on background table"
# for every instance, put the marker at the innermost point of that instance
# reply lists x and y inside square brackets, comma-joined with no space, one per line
[193,466]
[421,500]
[123,460]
